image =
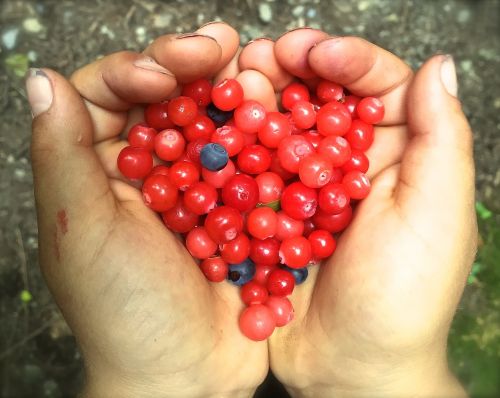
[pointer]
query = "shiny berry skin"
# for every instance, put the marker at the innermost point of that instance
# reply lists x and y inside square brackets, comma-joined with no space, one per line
[159,193]
[200,198]
[257,322]
[337,176]
[142,136]
[292,150]
[295,252]
[322,244]
[294,93]
[360,135]
[218,116]
[351,102]
[271,186]
[328,91]
[277,168]
[241,273]
[219,178]
[135,163]
[336,148]
[370,110]
[281,309]
[237,250]
[288,227]
[315,170]
[253,293]
[241,192]
[280,282]
[227,95]
[333,198]
[357,161]
[254,159]
[214,157]
[156,116]
[304,114]
[199,90]
[356,184]
[313,137]
[300,274]
[169,144]
[193,150]
[215,269]
[262,272]
[333,119]
[199,243]
[250,138]
[179,219]
[308,227]
[250,116]
[182,110]
[230,138]
[262,222]
[332,222]
[276,127]
[184,174]
[160,169]
[299,201]
[201,127]
[265,252]
[223,224]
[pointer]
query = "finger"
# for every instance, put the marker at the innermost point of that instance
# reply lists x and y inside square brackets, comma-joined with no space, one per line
[259,55]
[227,37]
[257,86]
[188,56]
[230,71]
[366,70]
[292,48]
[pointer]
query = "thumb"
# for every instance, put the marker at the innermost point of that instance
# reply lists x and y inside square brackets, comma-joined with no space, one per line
[68,176]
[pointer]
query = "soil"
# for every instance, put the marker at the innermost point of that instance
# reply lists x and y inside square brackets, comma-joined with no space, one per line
[38,356]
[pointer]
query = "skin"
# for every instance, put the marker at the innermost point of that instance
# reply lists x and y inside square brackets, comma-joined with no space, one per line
[371,321]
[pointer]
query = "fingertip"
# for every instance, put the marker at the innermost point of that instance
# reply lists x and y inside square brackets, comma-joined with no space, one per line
[227,37]
[258,87]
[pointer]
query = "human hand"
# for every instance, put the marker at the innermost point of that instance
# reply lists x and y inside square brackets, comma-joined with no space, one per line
[147,321]
[374,319]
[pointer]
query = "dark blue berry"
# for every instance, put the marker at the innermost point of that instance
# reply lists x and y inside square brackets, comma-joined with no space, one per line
[214,157]
[241,273]
[300,274]
[218,116]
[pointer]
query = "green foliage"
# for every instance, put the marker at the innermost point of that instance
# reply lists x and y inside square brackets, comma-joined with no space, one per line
[17,64]
[474,343]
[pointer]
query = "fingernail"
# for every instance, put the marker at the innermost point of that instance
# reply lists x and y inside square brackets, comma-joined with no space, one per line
[449,75]
[39,90]
[259,39]
[189,35]
[332,41]
[293,30]
[211,23]
[148,63]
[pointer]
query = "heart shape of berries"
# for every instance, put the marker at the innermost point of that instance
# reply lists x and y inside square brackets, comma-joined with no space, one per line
[258,196]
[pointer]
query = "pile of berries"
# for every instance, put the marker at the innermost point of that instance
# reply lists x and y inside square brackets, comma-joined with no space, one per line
[257,196]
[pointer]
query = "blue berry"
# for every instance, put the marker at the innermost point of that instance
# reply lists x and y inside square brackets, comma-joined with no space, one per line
[214,157]
[241,273]
[300,274]
[219,117]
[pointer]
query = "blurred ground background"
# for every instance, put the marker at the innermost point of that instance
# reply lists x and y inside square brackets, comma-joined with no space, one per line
[38,357]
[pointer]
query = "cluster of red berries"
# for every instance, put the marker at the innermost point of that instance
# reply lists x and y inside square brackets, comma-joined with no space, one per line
[256,195]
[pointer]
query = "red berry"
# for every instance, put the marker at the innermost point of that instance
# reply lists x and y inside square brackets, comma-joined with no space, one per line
[333,198]
[280,282]
[257,322]
[250,138]
[371,110]
[201,127]
[215,269]
[227,95]
[315,170]
[336,148]
[142,136]
[356,184]
[193,150]
[271,187]
[328,91]
[357,161]
[262,273]
[241,192]
[333,119]
[230,138]
[262,222]
[332,222]
[160,169]
[276,127]
[200,198]
[337,176]
[223,224]
[169,144]
[322,244]
[250,116]
[351,102]
[179,219]
[182,110]
[135,163]
[313,137]
[308,227]
[299,201]
[254,159]
[219,178]
[159,193]
[295,252]
[304,114]
[253,293]
[292,94]
[237,250]
[184,174]
[281,308]
[292,150]
[156,116]
[265,252]
[199,243]
[288,227]
[360,135]
[277,168]
[199,91]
